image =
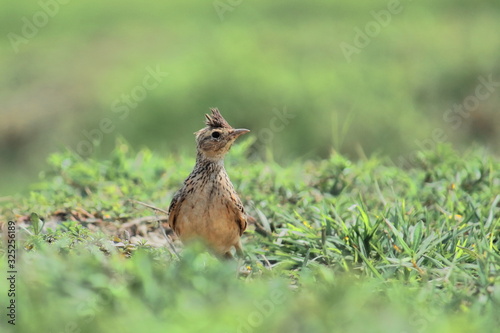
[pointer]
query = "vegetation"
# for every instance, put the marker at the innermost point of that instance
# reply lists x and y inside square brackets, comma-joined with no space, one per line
[368,220]
[353,247]
[260,56]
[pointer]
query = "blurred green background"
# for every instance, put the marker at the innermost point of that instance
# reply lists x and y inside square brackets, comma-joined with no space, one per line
[80,69]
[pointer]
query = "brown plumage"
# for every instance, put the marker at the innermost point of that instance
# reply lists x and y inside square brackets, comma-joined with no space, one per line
[207,207]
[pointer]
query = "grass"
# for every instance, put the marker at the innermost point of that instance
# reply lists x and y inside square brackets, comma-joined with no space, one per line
[263,56]
[356,247]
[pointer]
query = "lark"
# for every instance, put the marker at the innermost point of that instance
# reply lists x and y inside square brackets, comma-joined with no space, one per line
[207,206]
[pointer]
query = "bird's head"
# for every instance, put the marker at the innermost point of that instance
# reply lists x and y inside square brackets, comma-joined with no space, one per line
[215,140]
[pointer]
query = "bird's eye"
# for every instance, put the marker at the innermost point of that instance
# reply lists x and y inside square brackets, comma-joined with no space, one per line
[215,134]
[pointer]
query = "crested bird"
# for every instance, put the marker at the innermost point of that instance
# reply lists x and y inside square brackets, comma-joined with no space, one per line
[207,206]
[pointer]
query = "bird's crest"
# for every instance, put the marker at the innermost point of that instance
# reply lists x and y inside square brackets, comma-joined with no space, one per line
[216,120]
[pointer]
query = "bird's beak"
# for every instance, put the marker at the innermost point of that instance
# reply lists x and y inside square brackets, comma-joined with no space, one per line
[238,132]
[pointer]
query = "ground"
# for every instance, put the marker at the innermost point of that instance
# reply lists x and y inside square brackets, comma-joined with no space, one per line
[342,246]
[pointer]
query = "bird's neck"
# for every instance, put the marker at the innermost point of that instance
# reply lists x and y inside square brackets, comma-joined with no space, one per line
[209,163]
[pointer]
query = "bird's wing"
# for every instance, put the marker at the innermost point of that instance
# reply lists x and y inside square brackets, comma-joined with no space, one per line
[173,209]
[241,216]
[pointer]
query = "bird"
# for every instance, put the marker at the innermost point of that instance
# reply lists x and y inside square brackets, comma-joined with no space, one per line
[207,206]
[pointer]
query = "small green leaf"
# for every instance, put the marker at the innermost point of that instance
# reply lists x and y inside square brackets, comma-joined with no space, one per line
[37,223]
